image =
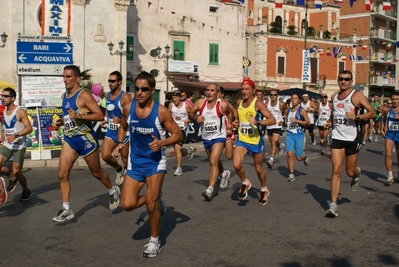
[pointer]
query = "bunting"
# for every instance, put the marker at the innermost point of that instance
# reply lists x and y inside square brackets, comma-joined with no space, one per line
[339,2]
[359,58]
[336,50]
[389,45]
[368,4]
[343,57]
[278,4]
[318,4]
[320,51]
[365,46]
[352,57]
[351,2]
[386,5]
[328,52]
[300,2]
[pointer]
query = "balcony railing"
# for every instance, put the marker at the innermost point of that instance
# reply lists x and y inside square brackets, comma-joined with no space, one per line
[390,13]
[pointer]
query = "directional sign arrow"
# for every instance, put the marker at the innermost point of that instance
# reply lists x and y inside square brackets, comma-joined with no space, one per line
[22,58]
[67,48]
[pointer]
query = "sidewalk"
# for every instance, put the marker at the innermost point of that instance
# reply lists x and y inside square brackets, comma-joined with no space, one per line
[54,161]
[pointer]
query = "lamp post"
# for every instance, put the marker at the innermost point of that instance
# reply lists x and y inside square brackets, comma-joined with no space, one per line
[120,52]
[3,39]
[167,56]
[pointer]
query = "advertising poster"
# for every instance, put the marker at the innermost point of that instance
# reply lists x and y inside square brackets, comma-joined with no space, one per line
[51,139]
[42,91]
[32,140]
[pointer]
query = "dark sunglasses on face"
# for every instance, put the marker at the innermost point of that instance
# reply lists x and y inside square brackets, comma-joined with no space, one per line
[344,79]
[389,103]
[111,81]
[273,94]
[143,89]
[6,96]
[324,96]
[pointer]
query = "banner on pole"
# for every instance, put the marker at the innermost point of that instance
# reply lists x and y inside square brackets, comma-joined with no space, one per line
[305,77]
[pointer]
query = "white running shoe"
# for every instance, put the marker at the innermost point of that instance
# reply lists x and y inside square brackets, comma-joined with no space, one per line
[225,179]
[152,249]
[114,199]
[190,153]
[178,172]
[332,212]
[281,148]
[120,176]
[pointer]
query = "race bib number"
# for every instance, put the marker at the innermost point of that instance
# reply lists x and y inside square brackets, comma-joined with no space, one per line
[340,120]
[246,128]
[323,119]
[10,131]
[210,126]
[293,126]
[181,125]
[69,124]
[113,126]
[393,125]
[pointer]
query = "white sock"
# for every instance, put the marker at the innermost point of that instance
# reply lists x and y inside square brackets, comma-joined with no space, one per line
[245,182]
[263,189]
[111,191]
[154,239]
[209,189]
[66,205]
[390,173]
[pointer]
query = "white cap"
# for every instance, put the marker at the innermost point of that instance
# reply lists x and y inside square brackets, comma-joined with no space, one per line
[305,95]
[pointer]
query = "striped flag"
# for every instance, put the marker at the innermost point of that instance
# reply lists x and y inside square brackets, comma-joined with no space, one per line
[365,46]
[320,51]
[352,57]
[359,58]
[351,2]
[278,4]
[389,45]
[343,57]
[300,2]
[339,2]
[336,50]
[318,4]
[368,4]
[328,52]
[386,5]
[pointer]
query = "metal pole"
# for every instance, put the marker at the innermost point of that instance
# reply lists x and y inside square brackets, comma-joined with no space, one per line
[167,73]
[306,31]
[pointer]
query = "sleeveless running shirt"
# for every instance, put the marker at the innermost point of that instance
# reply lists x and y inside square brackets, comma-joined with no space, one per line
[11,126]
[247,132]
[180,115]
[343,128]
[114,109]
[213,126]
[276,112]
[324,114]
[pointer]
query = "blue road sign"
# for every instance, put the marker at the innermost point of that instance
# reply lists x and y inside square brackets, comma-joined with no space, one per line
[44,53]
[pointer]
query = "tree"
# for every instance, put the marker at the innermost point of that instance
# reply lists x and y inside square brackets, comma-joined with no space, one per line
[291,30]
[327,35]
[311,31]
[275,27]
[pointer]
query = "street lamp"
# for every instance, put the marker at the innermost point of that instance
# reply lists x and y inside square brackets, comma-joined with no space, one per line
[3,39]
[120,52]
[167,56]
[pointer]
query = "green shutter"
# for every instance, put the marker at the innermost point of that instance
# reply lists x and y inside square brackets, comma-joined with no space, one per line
[213,54]
[177,44]
[129,41]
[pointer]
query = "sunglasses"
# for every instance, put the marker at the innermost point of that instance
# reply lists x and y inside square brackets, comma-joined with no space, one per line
[6,96]
[389,103]
[143,89]
[273,94]
[344,79]
[324,96]
[111,81]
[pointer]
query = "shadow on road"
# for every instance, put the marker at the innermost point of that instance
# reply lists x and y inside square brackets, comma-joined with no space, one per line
[322,196]
[169,223]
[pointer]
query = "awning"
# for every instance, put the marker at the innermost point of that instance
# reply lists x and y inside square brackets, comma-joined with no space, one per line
[228,86]
[4,84]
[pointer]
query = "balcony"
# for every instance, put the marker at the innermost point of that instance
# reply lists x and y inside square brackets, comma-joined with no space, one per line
[389,15]
[383,34]
[382,80]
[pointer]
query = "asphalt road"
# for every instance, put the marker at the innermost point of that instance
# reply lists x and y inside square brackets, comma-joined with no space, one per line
[290,231]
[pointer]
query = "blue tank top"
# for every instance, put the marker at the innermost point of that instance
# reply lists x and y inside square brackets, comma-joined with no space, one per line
[114,109]
[74,127]
[391,123]
[140,131]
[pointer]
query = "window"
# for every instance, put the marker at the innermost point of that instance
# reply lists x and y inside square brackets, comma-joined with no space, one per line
[213,10]
[280,65]
[313,69]
[178,44]
[154,72]
[213,54]
[129,41]
[154,52]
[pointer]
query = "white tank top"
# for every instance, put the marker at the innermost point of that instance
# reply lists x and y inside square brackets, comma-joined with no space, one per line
[180,116]
[276,112]
[11,126]
[324,114]
[343,128]
[213,126]
[310,113]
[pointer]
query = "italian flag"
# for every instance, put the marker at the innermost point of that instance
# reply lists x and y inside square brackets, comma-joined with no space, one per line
[278,4]
[386,5]
[364,47]
[343,57]
[339,2]
[368,4]
[389,45]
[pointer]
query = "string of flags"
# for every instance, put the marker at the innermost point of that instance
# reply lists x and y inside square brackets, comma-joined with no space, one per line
[149,4]
[386,4]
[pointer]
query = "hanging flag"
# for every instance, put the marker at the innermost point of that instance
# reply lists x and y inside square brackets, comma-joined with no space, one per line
[389,45]
[365,46]
[320,51]
[351,2]
[300,2]
[336,51]
[278,4]
[339,2]
[368,4]
[56,18]
[343,57]
[242,1]
[224,1]
[318,4]
[328,52]
[352,57]
[311,50]
[305,77]
[386,5]
[359,58]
